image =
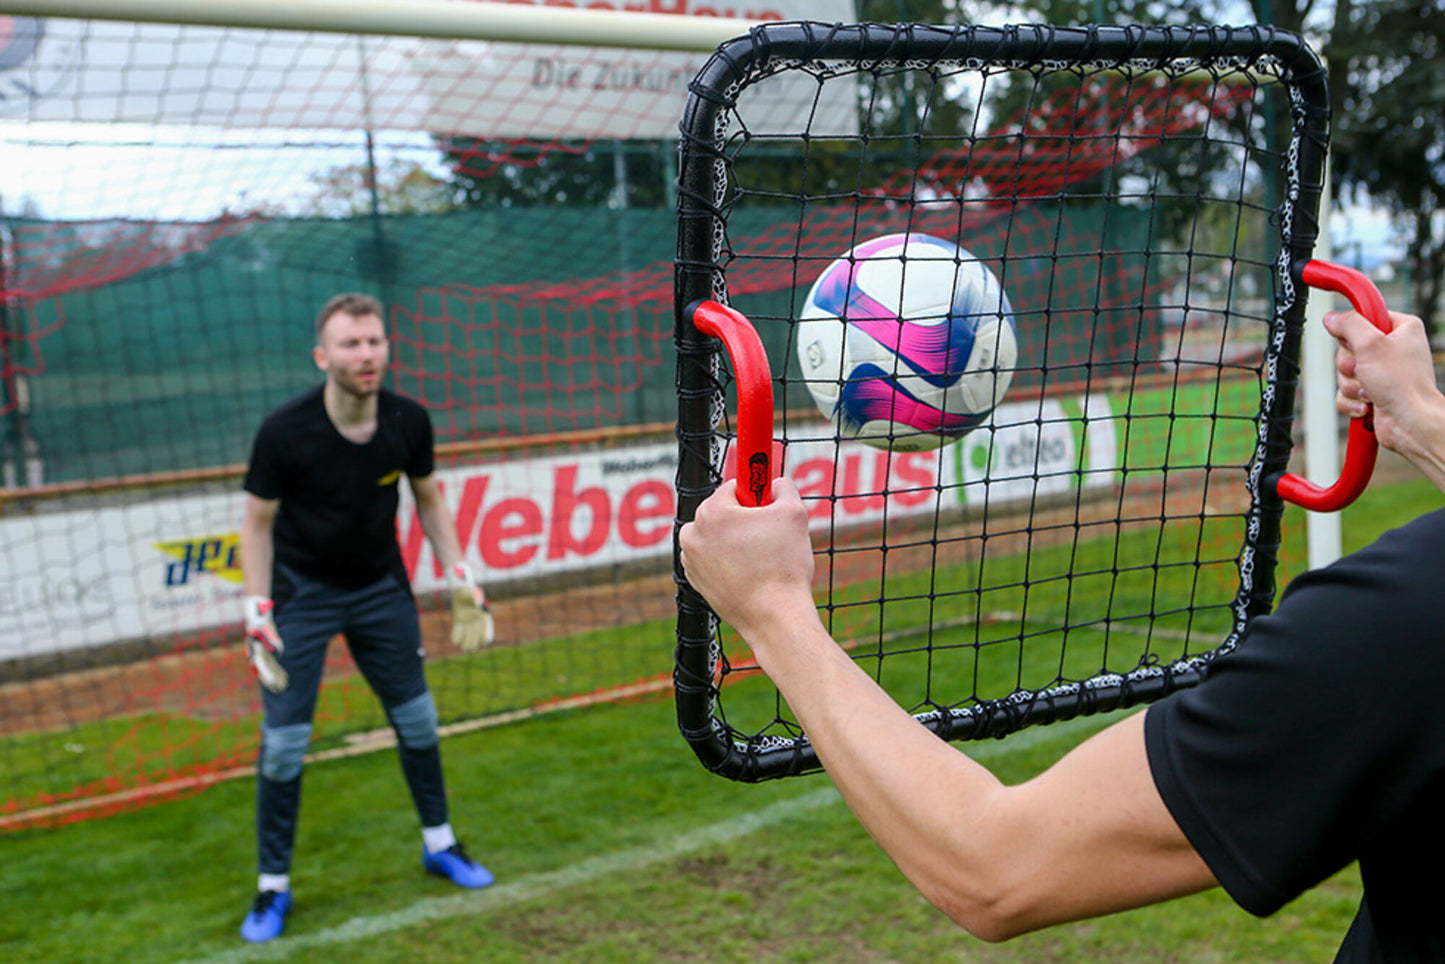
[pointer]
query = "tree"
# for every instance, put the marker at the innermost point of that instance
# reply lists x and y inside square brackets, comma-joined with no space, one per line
[399,186]
[568,173]
[1386,61]
[1388,85]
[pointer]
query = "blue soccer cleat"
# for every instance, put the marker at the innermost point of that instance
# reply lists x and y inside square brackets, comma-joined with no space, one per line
[268,916]
[454,864]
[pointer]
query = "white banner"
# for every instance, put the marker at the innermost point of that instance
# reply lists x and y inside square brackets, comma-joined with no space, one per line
[1031,449]
[234,78]
[72,580]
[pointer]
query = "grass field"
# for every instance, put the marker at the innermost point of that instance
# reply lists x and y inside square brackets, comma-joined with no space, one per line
[609,843]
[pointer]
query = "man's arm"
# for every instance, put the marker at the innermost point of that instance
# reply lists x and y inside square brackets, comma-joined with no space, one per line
[263,643]
[436,521]
[472,625]
[257,548]
[1089,836]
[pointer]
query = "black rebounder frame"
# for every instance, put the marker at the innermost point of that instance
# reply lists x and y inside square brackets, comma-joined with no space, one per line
[701,275]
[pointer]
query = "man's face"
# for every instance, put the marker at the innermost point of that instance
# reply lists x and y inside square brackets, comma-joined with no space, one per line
[353,352]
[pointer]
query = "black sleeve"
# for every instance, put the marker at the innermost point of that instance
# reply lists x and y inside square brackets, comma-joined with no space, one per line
[1313,737]
[421,460]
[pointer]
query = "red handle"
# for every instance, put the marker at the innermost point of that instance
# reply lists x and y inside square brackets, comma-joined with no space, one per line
[1361,446]
[755,397]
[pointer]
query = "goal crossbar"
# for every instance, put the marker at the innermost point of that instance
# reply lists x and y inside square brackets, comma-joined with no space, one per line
[415,18]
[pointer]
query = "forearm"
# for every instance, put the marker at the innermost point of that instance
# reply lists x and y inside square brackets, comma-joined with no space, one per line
[924,802]
[1423,444]
[1090,836]
[263,643]
[436,523]
[257,555]
[472,625]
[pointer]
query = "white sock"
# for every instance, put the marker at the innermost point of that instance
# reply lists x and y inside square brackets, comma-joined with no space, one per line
[437,839]
[276,882]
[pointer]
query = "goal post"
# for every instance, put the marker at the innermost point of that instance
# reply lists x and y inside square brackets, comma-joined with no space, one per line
[181,187]
[1319,420]
[638,28]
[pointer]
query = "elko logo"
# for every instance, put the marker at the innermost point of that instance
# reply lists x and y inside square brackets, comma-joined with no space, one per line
[35,56]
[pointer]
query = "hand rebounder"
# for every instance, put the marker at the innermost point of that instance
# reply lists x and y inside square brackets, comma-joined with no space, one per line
[1097,516]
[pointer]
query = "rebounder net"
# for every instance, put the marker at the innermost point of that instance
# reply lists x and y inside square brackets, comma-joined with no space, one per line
[1145,197]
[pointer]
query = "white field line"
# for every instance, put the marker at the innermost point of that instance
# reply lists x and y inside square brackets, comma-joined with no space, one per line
[540,885]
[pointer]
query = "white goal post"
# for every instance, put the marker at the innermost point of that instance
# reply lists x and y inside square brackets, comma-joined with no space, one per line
[1317,405]
[418,18]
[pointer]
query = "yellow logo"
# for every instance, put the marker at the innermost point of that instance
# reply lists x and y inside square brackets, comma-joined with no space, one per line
[218,555]
[389,478]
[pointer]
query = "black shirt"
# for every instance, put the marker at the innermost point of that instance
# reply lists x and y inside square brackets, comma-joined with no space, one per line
[1321,740]
[337,519]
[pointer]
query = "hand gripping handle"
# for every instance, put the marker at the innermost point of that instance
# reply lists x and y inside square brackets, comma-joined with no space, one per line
[755,397]
[1361,446]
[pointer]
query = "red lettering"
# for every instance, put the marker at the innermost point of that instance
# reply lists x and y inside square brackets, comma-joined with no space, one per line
[473,492]
[681,8]
[412,536]
[646,502]
[506,522]
[568,520]
[916,478]
[565,502]
[855,498]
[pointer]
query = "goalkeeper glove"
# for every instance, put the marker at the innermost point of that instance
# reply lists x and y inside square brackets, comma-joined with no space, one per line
[263,644]
[472,626]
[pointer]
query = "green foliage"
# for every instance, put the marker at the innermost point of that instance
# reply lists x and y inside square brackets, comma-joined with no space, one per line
[1388,68]
[397,186]
[1387,77]
[601,173]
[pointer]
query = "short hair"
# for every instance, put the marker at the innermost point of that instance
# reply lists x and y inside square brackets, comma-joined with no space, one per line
[353,303]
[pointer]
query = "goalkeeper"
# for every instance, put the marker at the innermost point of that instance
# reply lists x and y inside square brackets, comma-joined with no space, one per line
[320,557]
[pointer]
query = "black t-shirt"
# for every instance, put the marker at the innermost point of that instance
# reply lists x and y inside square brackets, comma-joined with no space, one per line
[1321,740]
[337,519]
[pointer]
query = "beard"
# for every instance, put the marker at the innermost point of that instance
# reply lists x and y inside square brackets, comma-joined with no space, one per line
[354,386]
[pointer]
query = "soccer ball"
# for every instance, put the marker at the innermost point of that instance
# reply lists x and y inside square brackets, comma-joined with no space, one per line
[907,342]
